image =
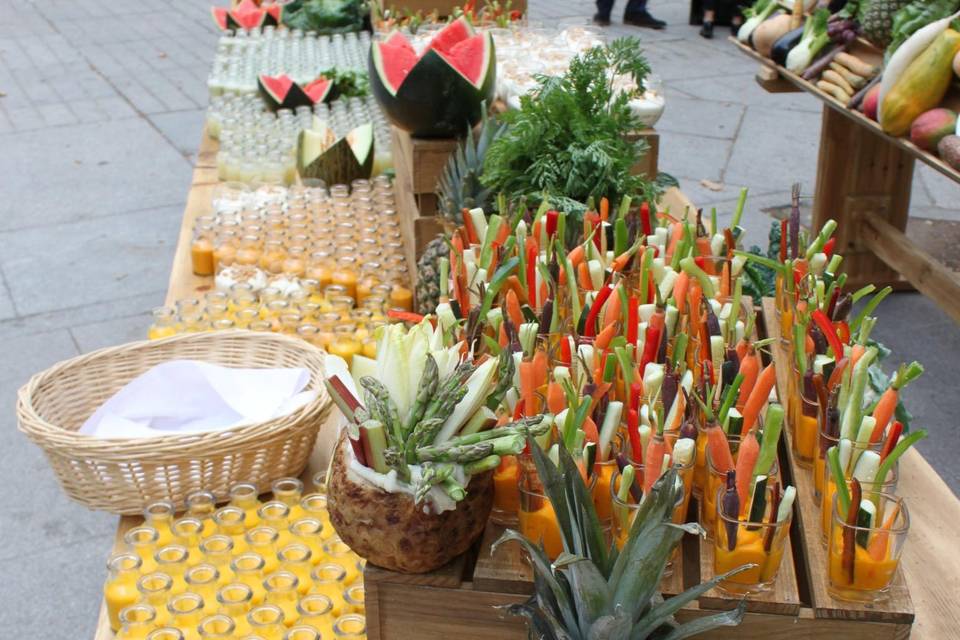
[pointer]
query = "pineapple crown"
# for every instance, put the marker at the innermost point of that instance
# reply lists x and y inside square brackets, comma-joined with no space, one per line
[594,591]
[459,187]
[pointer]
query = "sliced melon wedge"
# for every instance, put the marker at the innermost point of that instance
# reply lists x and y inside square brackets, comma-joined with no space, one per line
[320,154]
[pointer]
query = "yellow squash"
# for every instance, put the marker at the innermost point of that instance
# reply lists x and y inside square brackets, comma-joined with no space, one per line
[922,86]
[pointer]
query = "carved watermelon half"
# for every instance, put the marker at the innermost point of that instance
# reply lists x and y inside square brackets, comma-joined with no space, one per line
[320,154]
[439,94]
[281,92]
[247,15]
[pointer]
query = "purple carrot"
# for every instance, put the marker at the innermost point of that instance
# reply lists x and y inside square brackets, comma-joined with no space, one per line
[730,506]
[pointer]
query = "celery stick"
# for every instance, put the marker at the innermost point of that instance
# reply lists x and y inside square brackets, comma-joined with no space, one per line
[905,443]
[738,212]
[771,435]
[786,503]
[611,422]
[843,493]
[692,270]
[853,411]
[626,481]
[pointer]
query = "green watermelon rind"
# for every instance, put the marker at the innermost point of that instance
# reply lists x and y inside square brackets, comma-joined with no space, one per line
[296,96]
[459,22]
[490,60]
[435,100]
[339,164]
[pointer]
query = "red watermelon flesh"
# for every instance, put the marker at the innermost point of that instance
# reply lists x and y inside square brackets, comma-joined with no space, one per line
[275,11]
[397,62]
[248,15]
[318,89]
[448,37]
[220,16]
[397,39]
[468,58]
[278,86]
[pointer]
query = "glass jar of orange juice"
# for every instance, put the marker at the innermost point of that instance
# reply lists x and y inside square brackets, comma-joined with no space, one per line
[320,268]
[248,253]
[225,249]
[201,251]
[345,274]
[295,263]
[345,343]
[120,590]
[273,256]
[164,323]
[371,274]
[136,621]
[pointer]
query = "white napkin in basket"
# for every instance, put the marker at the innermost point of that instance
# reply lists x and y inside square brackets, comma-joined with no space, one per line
[189,396]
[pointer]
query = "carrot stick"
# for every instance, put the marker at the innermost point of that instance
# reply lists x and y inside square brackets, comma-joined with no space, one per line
[888,400]
[602,341]
[703,248]
[750,370]
[837,374]
[539,368]
[611,312]
[680,285]
[513,309]
[503,231]
[676,235]
[503,340]
[577,255]
[590,430]
[604,208]
[719,449]
[527,386]
[877,547]
[583,277]
[746,460]
[652,462]
[742,348]
[633,431]
[856,353]
[556,401]
[758,396]
[725,281]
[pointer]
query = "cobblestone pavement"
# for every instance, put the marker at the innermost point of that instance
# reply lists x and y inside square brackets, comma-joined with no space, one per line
[101,108]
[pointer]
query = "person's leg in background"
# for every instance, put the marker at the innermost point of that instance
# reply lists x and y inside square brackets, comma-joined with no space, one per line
[602,17]
[737,20]
[709,15]
[636,14]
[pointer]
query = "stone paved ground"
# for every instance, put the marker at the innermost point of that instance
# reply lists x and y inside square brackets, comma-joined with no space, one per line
[101,109]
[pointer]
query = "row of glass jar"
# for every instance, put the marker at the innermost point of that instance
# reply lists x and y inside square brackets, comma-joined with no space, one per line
[307,197]
[243,55]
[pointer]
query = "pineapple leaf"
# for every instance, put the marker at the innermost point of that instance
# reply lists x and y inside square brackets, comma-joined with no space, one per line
[662,613]
[593,601]
[542,625]
[646,562]
[559,591]
[700,625]
[610,626]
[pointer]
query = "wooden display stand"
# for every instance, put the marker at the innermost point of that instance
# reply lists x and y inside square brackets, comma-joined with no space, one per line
[864,177]
[442,7]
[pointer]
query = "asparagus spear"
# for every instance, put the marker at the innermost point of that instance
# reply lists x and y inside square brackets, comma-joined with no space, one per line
[429,382]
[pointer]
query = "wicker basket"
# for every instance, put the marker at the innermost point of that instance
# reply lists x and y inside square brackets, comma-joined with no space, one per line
[124,475]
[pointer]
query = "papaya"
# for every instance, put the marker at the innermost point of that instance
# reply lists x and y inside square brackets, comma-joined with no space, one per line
[922,85]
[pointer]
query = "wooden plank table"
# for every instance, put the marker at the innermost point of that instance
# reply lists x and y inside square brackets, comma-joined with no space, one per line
[930,565]
[864,179]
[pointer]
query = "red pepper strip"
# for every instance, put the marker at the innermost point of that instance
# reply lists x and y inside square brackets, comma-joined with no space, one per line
[828,247]
[552,217]
[633,320]
[405,316]
[843,331]
[565,351]
[636,389]
[700,262]
[633,431]
[645,219]
[833,302]
[532,273]
[470,232]
[848,554]
[707,371]
[650,347]
[783,241]
[893,437]
[590,329]
[518,410]
[829,332]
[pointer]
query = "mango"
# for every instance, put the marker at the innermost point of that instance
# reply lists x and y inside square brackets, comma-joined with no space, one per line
[931,126]
[922,86]
[870,102]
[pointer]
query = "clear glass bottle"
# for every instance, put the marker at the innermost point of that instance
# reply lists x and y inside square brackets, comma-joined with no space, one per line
[164,323]
[244,318]
[302,632]
[319,482]
[329,580]
[289,491]
[120,589]
[297,559]
[173,560]
[235,600]
[350,626]
[186,611]
[143,542]
[188,532]
[202,505]
[218,627]
[231,521]
[165,633]
[203,579]
[283,591]
[354,599]
[218,551]
[244,496]
[309,532]
[315,506]
[248,569]
[316,610]
[155,589]
[136,621]
[276,514]
[201,251]
[267,621]
[339,552]
[263,541]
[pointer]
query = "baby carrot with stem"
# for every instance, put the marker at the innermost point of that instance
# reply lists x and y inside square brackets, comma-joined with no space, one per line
[653,459]
[717,444]
[877,548]
[746,460]
[889,398]
[758,396]
[750,371]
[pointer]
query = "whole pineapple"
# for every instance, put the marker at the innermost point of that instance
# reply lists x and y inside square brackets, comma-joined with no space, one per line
[459,188]
[591,592]
[876,19]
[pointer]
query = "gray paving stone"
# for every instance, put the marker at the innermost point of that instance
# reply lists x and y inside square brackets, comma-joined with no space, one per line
[691,156]
[95,260]
[112,332]
[56,114]
[182,128]
[699,117]
[77,317]
[943,192]
[91,166]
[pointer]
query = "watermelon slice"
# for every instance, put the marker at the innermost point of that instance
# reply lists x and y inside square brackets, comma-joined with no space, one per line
[320,90]
[274,14]
[451,35]
[220,17]
[397,39]
[394,63]
[247,15]
[468,58]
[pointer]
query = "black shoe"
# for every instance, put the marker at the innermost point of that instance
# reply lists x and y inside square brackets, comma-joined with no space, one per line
[706,30]
[601,21]
[644,19]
